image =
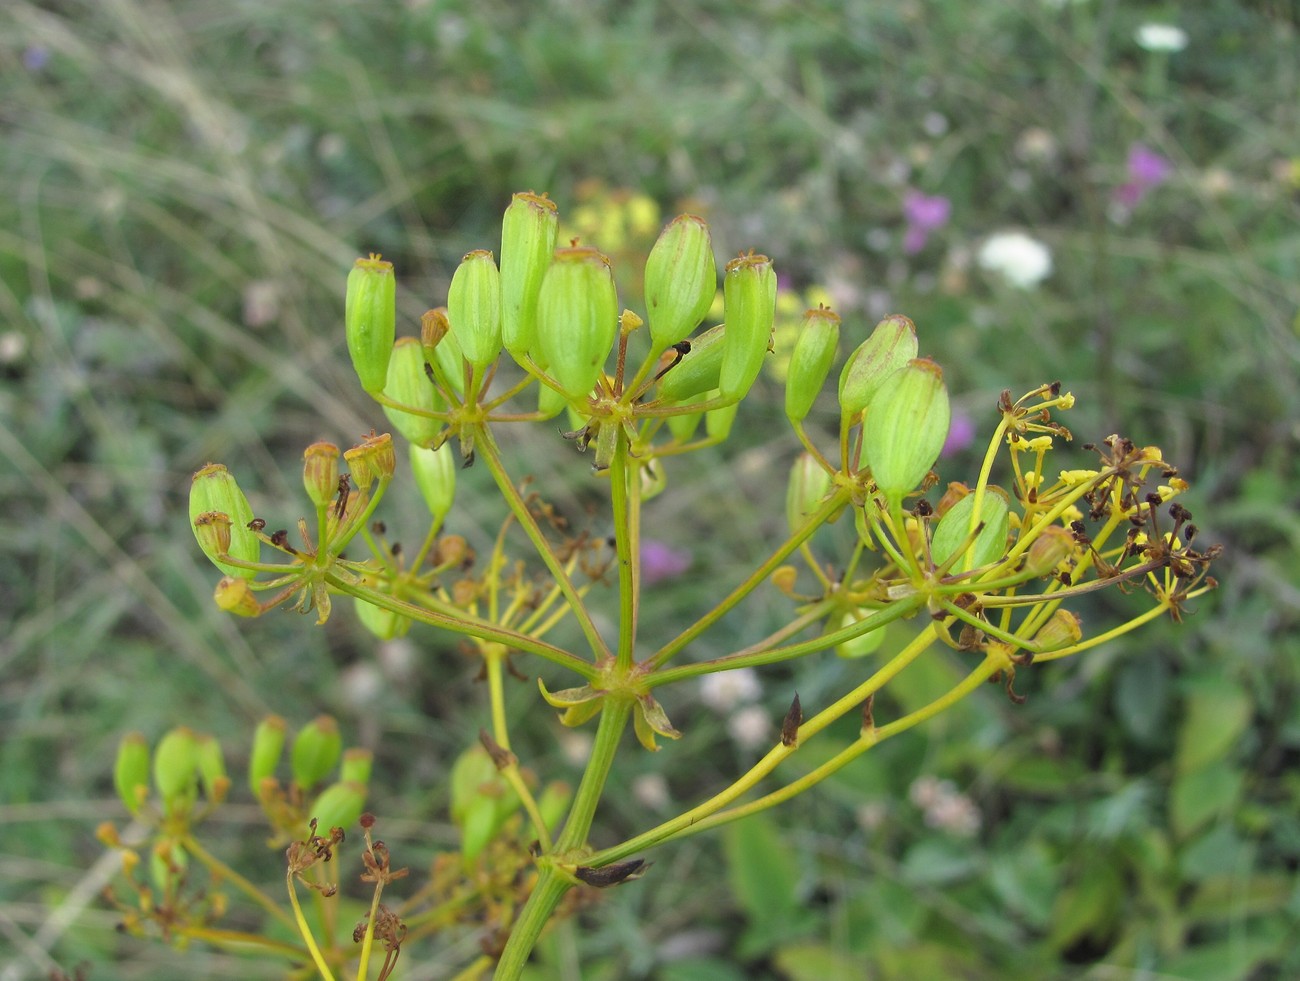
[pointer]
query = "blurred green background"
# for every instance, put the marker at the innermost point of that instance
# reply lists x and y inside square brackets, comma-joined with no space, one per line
[185,185]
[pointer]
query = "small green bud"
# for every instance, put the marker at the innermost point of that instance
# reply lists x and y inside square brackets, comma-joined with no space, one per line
[1062,630]
[435,476]
[338,806]
[268,747]
[175,768]
[316,750]
[408,384]
[577,319]
[698,370]
[810,363]
[749,307]
[953,530]
[528,232]
[370,315]
[1053,546]
[320,473]
[234,595]
[131,771]
[356,766]
[474,307]
[890,346]
[213,489]
[370,460]
[808,485]
[904,427]
[167,865]
[212,769]
[681,280]
[442,348]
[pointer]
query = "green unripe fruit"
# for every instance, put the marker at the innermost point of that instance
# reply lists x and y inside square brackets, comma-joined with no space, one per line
[718,422]
[356,766]
[370,315]
[863,644]
[953,531]
[442,349]
[890,346]
[810,362]
[168,863]
[474,308]
[320,473]
[435,476]
[213,489]
[175,768]
[381,623]
[316,751]
[749,308]
[131,771]
[807,487]
[408,384]
[577,319]
[1053,546]
[268,747]
[681,280]
[338,806]
[554,803]
[698,370]
[1062,630]
[905,426]
[212,769]
[528,232]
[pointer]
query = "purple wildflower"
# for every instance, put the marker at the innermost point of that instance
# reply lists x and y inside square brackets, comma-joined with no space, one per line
[35,57]
[1146,171]
[923,215]
[961,433]
[660,561]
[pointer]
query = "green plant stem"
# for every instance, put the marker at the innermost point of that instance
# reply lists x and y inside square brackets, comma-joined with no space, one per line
[626,499]
[684,822]
[240,941]
[896,610]
[815,520]
[301,926]
[220,870]
[463,623]
[553,882]
[368,941]
[487,445]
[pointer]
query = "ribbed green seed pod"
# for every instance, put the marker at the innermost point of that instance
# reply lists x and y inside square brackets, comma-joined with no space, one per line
[131,771]
[905,426]
[698,370]
[212,769]
[338,806]
[316,750]
[408,384]
[474,308]
[718,422]
[213,488]
[320,473]
[528,232]
[681,280]
[435,476]
[890,346]
[356,766]
[442,349]
[810,362]
[577,319]
[807,487]
[749,308]
[370,315]
[268,747]
[175,768]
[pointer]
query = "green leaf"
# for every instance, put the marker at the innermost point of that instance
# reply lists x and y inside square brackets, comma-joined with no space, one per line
[1199,797]
[763,874]
[1216,714]
[816,962]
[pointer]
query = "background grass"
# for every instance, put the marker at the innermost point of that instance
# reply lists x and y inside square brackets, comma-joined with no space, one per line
[184,185]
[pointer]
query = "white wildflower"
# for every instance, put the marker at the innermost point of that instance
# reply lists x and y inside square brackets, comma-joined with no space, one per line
[1022,261]
[750,726]
[651,791]
[724,690]
[1161,37]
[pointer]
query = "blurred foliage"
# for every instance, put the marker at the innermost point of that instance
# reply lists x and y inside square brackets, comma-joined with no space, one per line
[184,184]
